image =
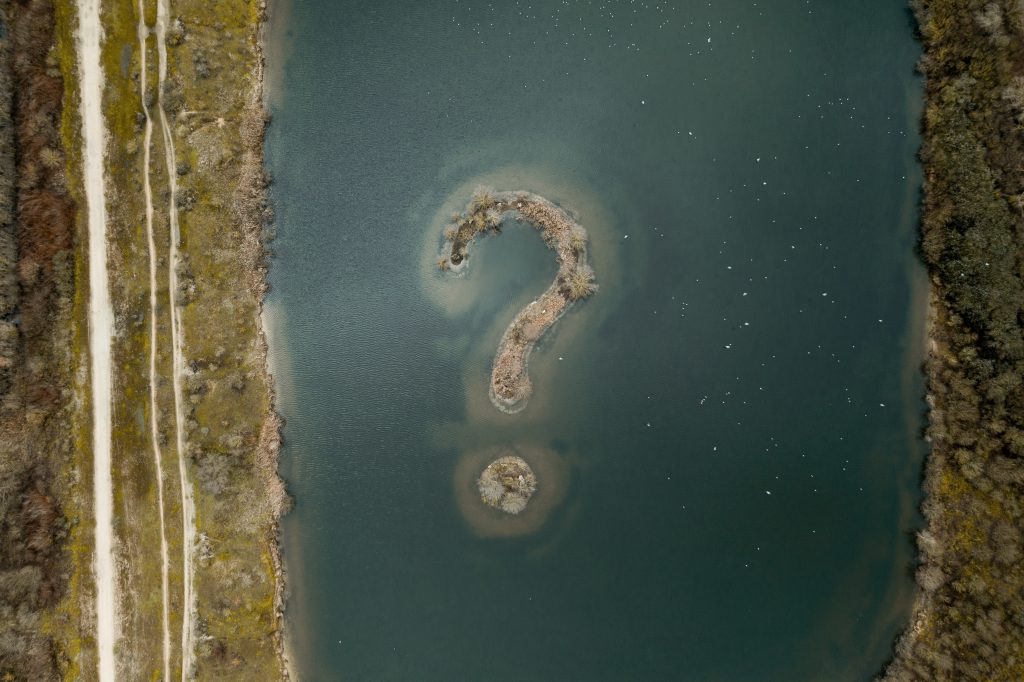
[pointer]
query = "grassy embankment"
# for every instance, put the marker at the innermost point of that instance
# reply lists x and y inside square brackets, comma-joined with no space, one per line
[968,622]
[216,63]
[212,98]
[72,623]
[213,79]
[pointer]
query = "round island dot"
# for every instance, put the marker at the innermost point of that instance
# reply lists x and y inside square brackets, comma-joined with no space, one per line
[507,484]
[493,499]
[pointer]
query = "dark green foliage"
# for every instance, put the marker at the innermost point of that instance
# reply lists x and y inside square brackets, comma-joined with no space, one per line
[969,624]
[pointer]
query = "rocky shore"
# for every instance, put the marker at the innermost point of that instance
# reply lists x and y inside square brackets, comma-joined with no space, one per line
[510,385]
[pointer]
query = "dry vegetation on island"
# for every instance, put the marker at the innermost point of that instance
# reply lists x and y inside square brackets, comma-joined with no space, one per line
[507,484]
[968,622]
[510,385]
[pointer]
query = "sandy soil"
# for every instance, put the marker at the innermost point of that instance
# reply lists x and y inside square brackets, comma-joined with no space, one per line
[101,328]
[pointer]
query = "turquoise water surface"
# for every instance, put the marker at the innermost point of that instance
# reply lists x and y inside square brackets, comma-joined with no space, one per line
[729,428]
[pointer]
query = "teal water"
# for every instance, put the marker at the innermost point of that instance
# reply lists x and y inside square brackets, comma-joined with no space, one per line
[731,425]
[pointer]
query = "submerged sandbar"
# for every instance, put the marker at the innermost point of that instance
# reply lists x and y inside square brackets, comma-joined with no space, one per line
[510,385]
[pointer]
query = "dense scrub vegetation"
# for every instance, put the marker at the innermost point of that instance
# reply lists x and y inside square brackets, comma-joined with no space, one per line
[8,250]
[36,283]
[969,619]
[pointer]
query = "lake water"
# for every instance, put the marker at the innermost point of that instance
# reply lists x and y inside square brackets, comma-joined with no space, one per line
[726,434]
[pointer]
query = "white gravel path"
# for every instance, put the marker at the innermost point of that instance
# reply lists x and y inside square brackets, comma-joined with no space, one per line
[101,329]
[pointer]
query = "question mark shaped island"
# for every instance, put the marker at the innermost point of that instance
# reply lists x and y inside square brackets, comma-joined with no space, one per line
[510,386]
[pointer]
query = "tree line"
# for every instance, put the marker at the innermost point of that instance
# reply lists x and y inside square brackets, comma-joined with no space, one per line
[968,622]
[37,220]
